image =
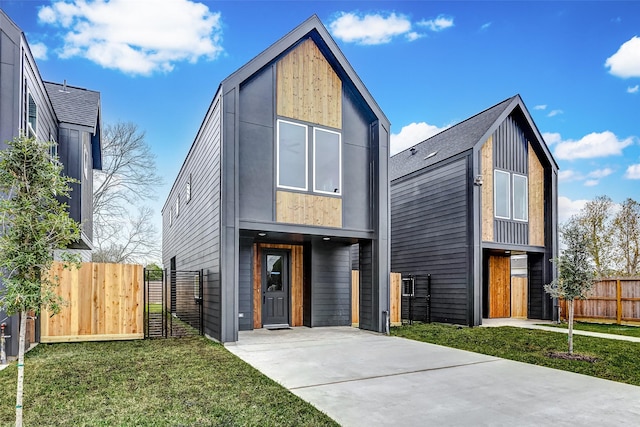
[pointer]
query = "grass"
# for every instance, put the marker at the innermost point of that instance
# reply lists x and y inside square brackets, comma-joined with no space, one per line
[631,331]
[616,360]
[176,382]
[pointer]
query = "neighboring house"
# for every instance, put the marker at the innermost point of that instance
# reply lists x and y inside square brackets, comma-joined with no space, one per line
[475,207]
[67,115]
[288,170]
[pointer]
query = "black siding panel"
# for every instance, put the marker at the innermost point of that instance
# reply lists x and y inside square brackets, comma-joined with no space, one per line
[430,234]
[511,147]
[330,285]
[245,283]
[536,283]
[367,293]
[513,232]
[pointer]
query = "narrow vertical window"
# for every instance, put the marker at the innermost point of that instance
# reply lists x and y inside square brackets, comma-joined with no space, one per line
[292,153]
[520,198]
[502,194]
[178,206]
[327,162]
[32,117]
[188,189]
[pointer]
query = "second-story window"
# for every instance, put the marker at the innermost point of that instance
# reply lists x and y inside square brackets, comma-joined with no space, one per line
[292,154]
[511,196]
[327,158]
[32,118]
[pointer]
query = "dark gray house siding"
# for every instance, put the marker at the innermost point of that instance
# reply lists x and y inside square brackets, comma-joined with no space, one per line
[247,213]
[430,235]
[437,208]
[192,234]
[22,89]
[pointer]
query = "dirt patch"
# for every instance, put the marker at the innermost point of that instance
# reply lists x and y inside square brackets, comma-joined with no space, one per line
[567,356]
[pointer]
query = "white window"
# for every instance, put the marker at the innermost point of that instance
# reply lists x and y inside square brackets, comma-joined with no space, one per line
[32,119]
[327,161]
[520,198]
[177,206]
[292,155]
[86,160]
[188,189]
[502,194]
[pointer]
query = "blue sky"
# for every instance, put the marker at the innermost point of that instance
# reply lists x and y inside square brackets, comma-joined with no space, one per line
[429,65]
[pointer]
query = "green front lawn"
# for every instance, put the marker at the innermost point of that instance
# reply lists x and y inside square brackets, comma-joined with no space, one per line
[631,331]
[187,381]
[616,360]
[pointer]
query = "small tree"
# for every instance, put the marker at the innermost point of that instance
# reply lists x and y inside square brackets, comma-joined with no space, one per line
[34,224]
[575,270]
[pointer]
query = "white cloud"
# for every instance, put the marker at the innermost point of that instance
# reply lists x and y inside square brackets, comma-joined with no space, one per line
[593,145]
[441,22]
[39,50]
[567,208]
[633,89]
[633,172]
[412,134]
[569,175]
[485,26]
[540,107]
[369,29]
[554,113]
[600,173]
[591,182]
[382,28]
[136,37]
[625,62]
[551,137]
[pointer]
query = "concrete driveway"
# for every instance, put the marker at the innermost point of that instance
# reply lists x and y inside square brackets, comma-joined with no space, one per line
[365,379]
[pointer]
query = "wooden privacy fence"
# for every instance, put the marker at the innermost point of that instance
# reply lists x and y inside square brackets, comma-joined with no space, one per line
[104,302]
[395,296]
[612,300]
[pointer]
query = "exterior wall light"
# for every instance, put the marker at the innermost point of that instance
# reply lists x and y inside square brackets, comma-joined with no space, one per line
[478,180]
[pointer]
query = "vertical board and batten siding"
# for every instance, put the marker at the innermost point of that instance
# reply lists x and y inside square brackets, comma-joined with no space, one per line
[194,235]
[330,285]
[536,286]
[104,302]
[430,235]
[308,89]
[245,285]
[367,293]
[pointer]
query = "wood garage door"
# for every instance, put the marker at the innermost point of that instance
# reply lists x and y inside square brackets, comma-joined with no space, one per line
[499,286]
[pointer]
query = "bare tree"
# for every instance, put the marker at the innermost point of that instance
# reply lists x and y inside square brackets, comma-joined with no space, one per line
[123,230]
[595,220]
[626,237]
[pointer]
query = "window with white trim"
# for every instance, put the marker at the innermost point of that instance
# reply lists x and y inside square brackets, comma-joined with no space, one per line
[292,155]
[502,194]
[327,161]
[520,198]
[32,116]
[188,189]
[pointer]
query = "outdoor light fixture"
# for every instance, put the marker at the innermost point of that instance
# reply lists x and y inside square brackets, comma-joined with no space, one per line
[326,238]
[262,234]
[478,180]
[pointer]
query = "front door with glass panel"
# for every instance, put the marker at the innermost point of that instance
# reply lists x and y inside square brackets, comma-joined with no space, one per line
[275,287]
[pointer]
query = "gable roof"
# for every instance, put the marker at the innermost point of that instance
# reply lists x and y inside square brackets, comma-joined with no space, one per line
[460,138]
[75,105]
[313,28]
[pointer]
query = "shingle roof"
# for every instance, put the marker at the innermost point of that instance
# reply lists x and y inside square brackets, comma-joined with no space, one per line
[74,105]
[448,143]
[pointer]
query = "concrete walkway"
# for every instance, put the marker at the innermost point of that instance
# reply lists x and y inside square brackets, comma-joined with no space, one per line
[364,379]
[538,324]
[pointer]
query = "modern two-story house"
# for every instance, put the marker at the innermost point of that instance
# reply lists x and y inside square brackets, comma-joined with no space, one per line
[67,115]
[287,172]
[474,217]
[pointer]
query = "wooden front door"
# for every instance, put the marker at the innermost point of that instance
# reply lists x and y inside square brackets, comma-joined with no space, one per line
[499,286]
[519,297]
[275,287]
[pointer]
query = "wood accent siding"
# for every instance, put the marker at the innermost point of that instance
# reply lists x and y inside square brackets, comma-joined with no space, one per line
[105,302]
[499,286]
[296,276]
[519,297]
[536,200]
[308,88]
[308,209]
[486,161]
[355,298]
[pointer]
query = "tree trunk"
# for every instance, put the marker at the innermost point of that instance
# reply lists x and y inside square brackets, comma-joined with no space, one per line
[20,389]
[570,309]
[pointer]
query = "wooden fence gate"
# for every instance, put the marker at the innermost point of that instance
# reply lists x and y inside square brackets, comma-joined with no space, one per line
[103,302]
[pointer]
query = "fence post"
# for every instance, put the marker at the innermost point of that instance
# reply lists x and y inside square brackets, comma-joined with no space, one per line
[618,302]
